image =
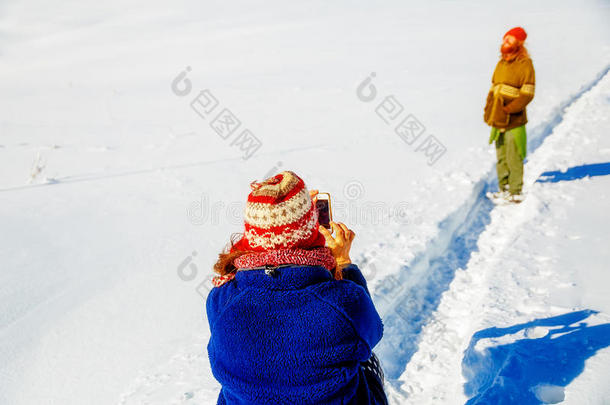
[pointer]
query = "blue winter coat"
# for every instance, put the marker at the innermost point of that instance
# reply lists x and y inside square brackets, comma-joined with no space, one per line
[295,337]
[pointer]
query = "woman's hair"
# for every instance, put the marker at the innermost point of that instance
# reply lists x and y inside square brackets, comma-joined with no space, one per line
[224,265]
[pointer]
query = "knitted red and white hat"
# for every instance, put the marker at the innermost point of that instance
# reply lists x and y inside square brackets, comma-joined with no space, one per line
[280,215]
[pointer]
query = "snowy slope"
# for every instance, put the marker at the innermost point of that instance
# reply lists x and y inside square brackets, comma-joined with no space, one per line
[110,183]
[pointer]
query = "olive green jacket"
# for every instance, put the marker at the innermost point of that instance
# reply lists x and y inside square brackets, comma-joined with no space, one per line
[513,84]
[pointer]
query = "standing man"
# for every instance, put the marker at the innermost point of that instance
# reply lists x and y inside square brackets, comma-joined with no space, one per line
[511,90]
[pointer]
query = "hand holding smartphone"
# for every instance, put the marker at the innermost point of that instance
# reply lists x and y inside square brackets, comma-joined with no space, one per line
[340,245]
[323,205]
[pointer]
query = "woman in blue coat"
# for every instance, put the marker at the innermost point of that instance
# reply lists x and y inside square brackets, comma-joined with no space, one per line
[291,318]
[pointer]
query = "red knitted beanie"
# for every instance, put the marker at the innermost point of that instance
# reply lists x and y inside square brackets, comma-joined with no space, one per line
[517,32]
[280,214]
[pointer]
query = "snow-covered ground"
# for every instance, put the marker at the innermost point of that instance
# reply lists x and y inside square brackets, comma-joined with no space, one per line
[112,186]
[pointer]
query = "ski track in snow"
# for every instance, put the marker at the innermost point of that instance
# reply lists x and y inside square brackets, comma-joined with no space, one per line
[104,176]
[415,332]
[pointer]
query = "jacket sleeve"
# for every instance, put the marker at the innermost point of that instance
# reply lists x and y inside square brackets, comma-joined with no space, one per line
[526,91]
[354,304]
[353,273]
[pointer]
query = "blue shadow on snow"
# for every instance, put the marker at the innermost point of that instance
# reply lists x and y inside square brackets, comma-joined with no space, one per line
[508,373]
[575,173]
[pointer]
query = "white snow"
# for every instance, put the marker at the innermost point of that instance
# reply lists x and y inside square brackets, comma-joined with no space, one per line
[109,182]
[549,394]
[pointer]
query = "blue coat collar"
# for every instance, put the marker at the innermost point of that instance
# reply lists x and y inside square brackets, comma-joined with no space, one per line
[282,278]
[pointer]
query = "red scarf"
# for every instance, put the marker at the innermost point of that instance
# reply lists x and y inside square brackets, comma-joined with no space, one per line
[321,256]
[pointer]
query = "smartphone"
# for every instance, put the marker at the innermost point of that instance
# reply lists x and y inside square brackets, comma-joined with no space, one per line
[325,214]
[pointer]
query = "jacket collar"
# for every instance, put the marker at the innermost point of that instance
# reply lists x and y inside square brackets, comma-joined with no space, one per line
[290,277]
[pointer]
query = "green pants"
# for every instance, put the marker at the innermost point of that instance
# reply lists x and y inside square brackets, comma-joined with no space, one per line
[510,151]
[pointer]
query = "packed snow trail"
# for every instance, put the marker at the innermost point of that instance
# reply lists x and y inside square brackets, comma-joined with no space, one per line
[406,300]
[512,296]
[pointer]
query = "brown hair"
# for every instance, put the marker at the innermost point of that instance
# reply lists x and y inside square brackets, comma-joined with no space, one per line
[225,263]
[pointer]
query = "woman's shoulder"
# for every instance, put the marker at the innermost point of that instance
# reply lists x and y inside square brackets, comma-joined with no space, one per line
[220,296]
[344,293]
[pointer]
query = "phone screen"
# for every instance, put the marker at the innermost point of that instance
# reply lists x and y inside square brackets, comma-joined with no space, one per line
[323,208]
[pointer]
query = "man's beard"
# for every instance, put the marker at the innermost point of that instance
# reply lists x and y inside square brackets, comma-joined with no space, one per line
[507,49]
